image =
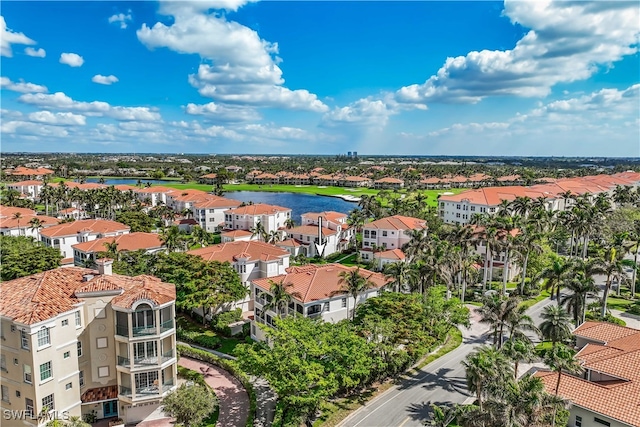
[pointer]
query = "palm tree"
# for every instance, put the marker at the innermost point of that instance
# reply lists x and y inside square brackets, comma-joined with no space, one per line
[561,359]
[400,273]
[528,241]
[17,216]
[274,236]
[112,249]
[580,286]
[171,238]
[353,283]
[442,416]
[519,323]
[281,297]
[484,366]
[556,324]
[289,224]
[200,236]
[260,231]
[519,351]
[35,223]
[555,275]
[612,264]
[496,312]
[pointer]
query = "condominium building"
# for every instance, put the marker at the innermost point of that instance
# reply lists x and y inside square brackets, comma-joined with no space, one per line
[28,189]
[272,218]
[608,391]
[209,212]
[88,251]
[251,260]
[77,341]
[64,236]
[316,291]
[19,222]
[388,233]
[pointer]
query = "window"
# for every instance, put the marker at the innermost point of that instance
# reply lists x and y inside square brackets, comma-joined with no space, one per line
[603,422]
[366,233]
[43,337]
[66,355]
[103,371]
[81,378]
[384,234]
[578,421]
[344,303]
[473,208]
[28,378]
[146,379]
[79,348]
[65,322]
[15,361]
[5,393]
[24,340]
[45,371]
[47,402]
[101,343]
[326,306]
[78,319]
[68,386]
[457,206]
[28,405]
[3,363]
[13,328]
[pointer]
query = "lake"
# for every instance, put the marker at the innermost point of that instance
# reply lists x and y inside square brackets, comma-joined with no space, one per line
[298,203]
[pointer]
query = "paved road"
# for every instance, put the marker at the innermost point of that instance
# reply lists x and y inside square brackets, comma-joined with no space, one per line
[441,382]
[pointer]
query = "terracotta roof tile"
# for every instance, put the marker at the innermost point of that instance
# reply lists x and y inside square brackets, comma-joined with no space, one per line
[398,222]
[258,209]
[99,226]
[318,282]
[125,242]
[310,230]
[227,251]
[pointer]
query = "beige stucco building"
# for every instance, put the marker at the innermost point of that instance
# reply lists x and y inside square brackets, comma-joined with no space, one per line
[77,341]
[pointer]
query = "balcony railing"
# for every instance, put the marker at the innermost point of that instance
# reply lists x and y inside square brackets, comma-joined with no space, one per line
[144,330]
[261,301]
[124,361]
[314,314]
[125,391]
[166,325]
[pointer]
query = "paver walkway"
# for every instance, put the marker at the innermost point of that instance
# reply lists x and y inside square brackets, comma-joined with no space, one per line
[232,397]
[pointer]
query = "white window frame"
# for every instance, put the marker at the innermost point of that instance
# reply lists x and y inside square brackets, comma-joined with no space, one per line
[48,402]
[81,378]
[78,318]
[79,347]
[24,340]
[44,337]
[66,355]
[49,370]
[27,374]
[4,392]
[65,322]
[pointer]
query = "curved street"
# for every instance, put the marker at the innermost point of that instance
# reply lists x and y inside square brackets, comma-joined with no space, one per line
[441,382]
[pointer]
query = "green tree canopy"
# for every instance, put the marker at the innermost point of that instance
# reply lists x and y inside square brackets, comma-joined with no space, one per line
[138,221]
[190,404]
[22,256]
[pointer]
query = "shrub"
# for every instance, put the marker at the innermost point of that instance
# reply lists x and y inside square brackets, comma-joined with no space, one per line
[608,318]
[207,341]
[220,322]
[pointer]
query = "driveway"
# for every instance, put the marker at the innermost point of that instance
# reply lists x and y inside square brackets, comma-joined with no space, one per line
[232,397]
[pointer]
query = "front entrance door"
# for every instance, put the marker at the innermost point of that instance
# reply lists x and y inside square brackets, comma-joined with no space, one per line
[110,409]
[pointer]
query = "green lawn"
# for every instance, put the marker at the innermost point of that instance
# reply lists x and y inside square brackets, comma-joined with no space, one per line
[542,348]
[531,301]
[621,304]
[227,344]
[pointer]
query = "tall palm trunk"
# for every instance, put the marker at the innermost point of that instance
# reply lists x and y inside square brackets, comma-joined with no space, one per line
[585,246]
[555,408]
[607,288]
[634,274]
[505,272]
[524,273]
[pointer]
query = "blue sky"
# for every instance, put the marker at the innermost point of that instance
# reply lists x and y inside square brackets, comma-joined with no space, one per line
[295,77]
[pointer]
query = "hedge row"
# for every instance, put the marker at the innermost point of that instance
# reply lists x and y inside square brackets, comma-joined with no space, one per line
[229,366]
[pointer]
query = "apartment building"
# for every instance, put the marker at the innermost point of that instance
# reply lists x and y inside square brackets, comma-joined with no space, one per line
[18,222]
[388,233]
[389,183]
[315,240]
[459,208]
[64,236]
[28,189]
[78,341]
[316,292]
[251,260]
[87,252]
[608,391]
[21,172]
[272,217]
[154,196]
[209,213]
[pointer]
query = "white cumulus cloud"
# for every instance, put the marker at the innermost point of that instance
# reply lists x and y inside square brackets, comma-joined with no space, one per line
[121,19]
[222,112]
[61,101]
[71,59]
[104,80]
[240,67]
[60,119]
[22,87]
[38,53]
[9,37]
[567,41]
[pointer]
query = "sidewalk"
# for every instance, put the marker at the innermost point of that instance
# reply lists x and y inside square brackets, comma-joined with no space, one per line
[632,320]
[232,397]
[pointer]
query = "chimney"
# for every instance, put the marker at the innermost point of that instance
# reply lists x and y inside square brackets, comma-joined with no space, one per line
[104,266]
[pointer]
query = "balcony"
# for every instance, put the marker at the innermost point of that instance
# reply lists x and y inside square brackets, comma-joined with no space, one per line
[146,392]
[166,325]
[144,330]
[261,301]
[314,315]
[141,362]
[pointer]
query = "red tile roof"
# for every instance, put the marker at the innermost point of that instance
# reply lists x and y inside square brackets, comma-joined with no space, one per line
[398,222]
[395,254]
[258,209]
[604,332]
[100,226]
[22,171]
[326,216]
[25,183]
[237,233]
[216,202]
[389,180]
[125,242]
[41,296]
[7,220]
[227,251]
[318,282]
[310,230]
